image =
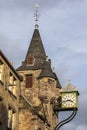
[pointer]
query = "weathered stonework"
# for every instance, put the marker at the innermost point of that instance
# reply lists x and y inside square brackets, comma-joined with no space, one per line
[40,95]
[36,102]
[26,101]
[9,92]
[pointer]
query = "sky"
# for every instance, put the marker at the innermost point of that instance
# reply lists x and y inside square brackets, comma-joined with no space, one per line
[63,29]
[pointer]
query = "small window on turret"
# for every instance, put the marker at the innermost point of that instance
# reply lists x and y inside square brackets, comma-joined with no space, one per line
[30,60]
[50,81]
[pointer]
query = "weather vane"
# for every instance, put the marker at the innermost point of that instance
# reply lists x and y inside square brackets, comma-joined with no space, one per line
[36,15]
[69,80]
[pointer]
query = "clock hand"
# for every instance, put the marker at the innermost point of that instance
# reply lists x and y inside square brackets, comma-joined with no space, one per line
[67,100]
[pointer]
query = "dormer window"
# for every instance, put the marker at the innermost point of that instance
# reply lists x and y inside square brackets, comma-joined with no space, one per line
[30,60]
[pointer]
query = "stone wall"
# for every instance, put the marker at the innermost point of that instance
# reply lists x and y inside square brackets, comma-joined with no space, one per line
[9,92]
[39,115]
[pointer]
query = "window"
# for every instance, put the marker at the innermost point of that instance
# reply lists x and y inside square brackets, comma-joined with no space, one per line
[1,68]
[0,72]
[11,78]
[15,87]
[30,60]
[11,119]
[28,81]
[50,81]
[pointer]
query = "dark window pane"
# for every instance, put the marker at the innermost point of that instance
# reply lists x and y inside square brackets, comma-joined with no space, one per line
[28,81]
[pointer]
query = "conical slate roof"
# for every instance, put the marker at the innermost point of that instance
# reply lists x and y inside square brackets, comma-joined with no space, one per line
[40,61]
[35,50]
[36,47]
[47,71]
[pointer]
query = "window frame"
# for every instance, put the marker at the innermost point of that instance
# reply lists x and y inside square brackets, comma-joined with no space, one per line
[30,60]
[29,80]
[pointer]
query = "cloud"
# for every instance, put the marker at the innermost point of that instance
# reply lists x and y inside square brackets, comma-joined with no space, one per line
[63,28]
[82,127]
[82,107]
[72,126]
[12,5]
[10,49]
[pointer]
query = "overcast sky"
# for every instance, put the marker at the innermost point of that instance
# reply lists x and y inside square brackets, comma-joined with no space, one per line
[63,28]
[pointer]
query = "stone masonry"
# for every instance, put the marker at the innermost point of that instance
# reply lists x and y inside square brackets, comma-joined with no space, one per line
[36,106]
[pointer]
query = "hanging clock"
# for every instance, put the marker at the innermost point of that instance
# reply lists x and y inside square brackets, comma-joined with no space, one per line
[69,97]
[69,100]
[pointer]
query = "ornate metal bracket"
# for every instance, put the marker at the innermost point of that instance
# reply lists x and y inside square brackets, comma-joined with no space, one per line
[73,114]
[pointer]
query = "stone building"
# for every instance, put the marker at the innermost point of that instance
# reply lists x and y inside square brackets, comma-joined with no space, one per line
[39,89]
[26,101]
[9,95]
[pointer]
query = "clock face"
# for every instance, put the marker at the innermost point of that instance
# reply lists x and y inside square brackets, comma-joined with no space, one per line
[69,100]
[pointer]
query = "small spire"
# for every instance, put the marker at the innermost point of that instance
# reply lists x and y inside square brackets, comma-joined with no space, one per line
[36,15]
